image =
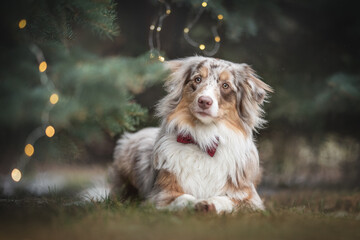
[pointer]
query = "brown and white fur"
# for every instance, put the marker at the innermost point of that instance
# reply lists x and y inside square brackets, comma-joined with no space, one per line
[215,101]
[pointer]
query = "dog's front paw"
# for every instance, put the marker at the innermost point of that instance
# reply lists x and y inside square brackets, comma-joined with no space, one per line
[205,206]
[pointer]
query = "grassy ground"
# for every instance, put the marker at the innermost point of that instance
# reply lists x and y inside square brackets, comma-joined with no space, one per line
[289,215]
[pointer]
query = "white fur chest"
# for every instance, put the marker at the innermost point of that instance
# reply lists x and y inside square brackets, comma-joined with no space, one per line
[198,173]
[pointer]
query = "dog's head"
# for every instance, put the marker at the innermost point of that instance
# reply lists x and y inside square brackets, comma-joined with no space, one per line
[207,90]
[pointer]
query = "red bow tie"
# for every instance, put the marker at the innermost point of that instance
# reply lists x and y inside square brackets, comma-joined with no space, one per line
[186,139]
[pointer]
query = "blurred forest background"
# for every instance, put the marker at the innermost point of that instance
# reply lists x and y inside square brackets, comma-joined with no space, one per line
[98,64]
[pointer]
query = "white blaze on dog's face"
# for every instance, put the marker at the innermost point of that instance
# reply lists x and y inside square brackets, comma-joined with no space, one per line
[207,86]
[209,90]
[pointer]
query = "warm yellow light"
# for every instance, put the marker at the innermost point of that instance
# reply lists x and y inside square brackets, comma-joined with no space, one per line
[168,11]
[158,29]
[151,55]
[22,23]
[186,30]
[29,150]
[217,39]
[54,98]
[50,131]
[161,58]
[43,66]
[202,46]
[152,27]
[16,174]
[220,17]
[204,4]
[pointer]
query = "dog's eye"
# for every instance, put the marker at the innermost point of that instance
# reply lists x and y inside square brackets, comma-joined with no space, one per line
[198,79]
[225,85]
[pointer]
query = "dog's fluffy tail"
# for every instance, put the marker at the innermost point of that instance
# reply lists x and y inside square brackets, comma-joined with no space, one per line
[132,173]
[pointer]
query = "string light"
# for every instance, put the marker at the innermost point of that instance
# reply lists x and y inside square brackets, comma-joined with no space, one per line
[39,131]
[214,28]
[42,66]
[50,131]
[154,36]
[54,98]
[22,23]
[29,150]
[16,175]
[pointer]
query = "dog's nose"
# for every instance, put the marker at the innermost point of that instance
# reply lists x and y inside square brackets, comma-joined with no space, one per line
[205,102]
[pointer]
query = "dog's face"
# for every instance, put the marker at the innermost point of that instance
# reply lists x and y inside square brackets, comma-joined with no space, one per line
[210,90]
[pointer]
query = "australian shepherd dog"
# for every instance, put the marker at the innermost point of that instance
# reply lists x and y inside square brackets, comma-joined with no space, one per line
[203,155]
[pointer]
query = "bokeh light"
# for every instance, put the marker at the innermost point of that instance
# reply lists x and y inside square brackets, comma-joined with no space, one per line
[43,66]
[50,131]
[29,150]
[202,46]
[161,58]
[22,23]
[16,175]
[220,17]
[54,98]
[186,30]
[204,4]
[217,39]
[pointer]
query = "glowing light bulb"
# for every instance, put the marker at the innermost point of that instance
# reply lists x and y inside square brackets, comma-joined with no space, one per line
[161,58]
[54,98]
[217,39]
[186,30]
[168,11]
[202,46]
[152,27]
[29,150]
[204,4]
[22,23]
[43,66]
[220,17]
[158,29]
[16,175]
[50,131]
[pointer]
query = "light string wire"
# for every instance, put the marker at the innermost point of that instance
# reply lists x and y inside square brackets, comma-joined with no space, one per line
[214,31]
[157,26]
[45,128]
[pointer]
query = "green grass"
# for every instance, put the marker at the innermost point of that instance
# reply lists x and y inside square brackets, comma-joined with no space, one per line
[289,215]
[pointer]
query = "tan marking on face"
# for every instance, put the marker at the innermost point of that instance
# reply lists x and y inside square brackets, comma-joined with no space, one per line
[182,112]
[229,115]
[167,183]
[224,76]
[204,72]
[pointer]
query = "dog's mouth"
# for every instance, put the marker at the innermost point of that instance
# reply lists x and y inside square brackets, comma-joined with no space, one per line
[203,114]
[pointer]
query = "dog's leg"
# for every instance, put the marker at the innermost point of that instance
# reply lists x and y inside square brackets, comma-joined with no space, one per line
[244,198]
[168,194]
[220,204]
[247,198]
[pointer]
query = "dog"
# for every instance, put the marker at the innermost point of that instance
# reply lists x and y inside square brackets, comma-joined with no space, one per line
[203,155]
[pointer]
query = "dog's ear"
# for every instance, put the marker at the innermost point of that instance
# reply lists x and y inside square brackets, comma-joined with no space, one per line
[173,65]
[251,95]
[259,89]
[173,86]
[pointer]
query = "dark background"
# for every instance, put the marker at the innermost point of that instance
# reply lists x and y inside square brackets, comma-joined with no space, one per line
[308,51]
